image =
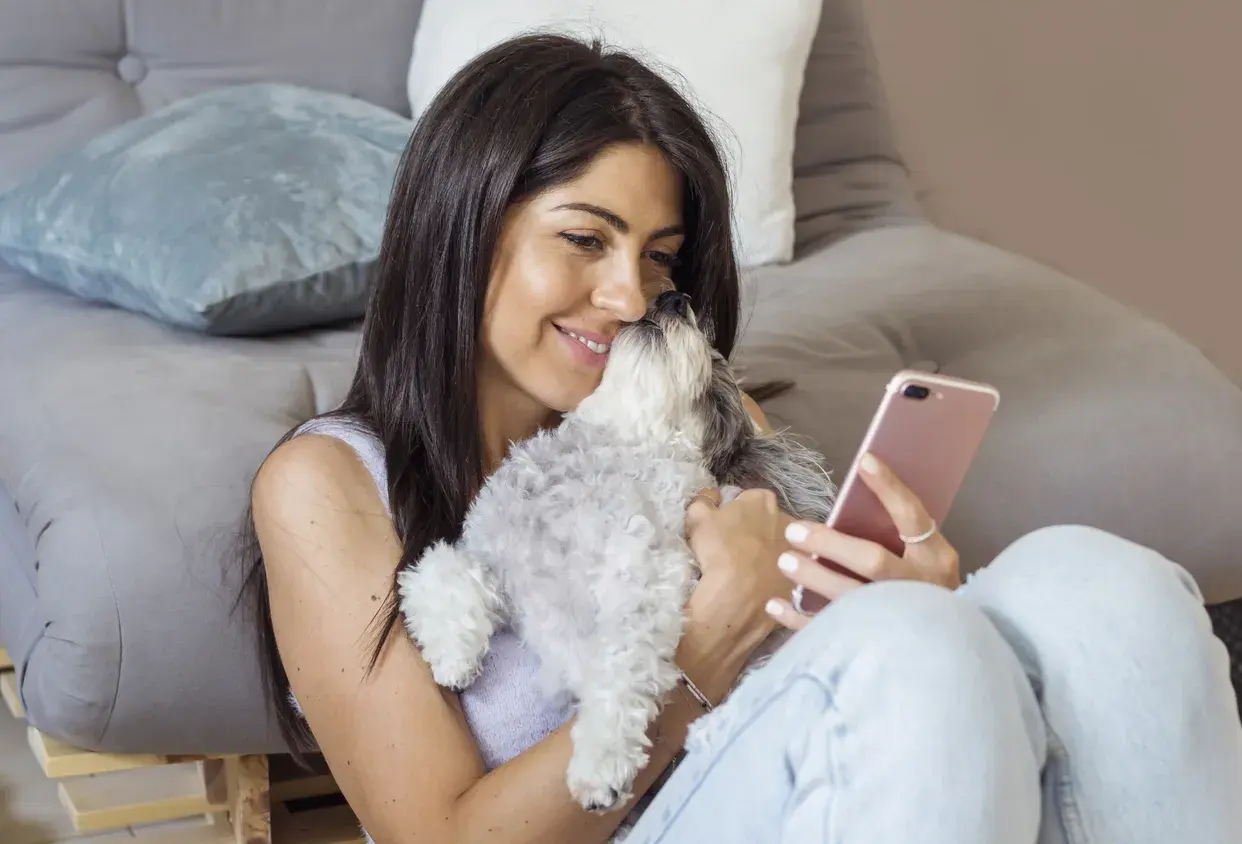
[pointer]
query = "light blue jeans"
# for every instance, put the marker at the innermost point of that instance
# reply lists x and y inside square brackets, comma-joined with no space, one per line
[1070,692]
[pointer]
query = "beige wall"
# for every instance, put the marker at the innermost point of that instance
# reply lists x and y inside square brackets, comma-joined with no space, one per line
[1103,137]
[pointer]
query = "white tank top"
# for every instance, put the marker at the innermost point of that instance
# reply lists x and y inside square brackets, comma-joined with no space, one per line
[505,708]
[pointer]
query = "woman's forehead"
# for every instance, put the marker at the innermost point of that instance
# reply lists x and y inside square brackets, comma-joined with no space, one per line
[633,182]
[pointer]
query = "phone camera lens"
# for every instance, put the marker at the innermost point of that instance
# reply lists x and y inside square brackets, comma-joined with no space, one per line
[914,391]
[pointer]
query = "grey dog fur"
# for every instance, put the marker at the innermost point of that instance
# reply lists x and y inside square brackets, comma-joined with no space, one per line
[577,541]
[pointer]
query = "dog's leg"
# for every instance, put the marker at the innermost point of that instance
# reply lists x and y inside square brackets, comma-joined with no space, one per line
[631,670]
[452,607]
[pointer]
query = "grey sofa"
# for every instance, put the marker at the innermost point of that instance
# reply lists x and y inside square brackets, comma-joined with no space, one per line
[126,446]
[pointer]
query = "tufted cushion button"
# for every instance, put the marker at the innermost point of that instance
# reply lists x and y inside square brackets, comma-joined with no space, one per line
[131,68]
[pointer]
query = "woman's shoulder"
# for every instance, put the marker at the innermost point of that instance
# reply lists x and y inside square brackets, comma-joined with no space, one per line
[320,523]
[357,436]
[322,479]
[309,471]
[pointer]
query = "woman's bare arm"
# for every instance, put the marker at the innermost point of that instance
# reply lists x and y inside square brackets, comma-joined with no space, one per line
[397,743]
[756,413]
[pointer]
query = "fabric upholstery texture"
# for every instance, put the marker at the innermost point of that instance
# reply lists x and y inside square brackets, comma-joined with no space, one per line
[243,210]
[126,446]
[70,69]
[750,105]
[1106,418]
[130,507]
[849,175]
[128,449]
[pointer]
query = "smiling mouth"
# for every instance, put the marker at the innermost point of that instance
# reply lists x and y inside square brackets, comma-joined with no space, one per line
[597,348]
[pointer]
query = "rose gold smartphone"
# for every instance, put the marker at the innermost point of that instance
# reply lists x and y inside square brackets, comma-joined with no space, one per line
[927,429]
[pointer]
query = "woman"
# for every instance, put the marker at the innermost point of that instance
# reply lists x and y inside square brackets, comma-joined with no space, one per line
[550,192]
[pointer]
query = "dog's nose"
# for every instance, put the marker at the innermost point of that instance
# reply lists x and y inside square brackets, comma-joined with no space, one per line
[673,301]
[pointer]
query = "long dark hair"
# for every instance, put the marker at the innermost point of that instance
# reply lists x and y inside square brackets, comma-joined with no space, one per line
[525,116]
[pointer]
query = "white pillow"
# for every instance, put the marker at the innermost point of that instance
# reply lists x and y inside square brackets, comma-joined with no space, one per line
[743,61]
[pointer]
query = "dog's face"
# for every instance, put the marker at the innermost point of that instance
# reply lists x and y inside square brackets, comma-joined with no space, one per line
[664,380]
[659,371]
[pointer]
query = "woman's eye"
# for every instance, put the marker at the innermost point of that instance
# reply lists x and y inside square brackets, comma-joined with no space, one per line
[583,241]
[665,259]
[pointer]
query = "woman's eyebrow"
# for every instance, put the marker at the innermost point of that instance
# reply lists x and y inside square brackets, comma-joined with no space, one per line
[615,220]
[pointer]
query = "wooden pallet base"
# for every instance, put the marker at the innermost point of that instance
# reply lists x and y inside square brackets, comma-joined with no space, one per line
[8,693]
[189,799]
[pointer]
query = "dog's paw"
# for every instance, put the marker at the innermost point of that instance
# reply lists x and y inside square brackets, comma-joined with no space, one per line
[448,614]
[599,799]
[594,792]
[602,770]
[451,670]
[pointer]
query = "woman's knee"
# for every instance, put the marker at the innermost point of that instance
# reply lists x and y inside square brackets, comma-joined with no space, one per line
[911,629]
[1086,565]
[905,655]
[937,656]
[1057,589]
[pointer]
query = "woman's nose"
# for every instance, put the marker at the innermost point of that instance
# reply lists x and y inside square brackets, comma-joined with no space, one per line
[623,295]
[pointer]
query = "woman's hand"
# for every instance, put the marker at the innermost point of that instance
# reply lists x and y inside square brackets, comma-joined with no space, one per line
[933,560]
[735,545]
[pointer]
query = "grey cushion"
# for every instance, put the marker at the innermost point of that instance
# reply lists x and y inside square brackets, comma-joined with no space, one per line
[128,446]
[70,69]
[848,174]
[129,455]
[1106,418]
[241,210]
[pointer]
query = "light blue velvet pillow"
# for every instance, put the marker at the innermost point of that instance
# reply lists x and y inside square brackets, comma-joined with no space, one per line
[244,210]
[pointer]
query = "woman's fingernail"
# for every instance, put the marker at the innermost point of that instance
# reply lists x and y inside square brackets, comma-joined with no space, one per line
[787,563]
[869,464]
[774,608]
[796,532]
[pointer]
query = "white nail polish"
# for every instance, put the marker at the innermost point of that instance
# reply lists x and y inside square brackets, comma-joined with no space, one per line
[787,563]
[796,533]
[774,607]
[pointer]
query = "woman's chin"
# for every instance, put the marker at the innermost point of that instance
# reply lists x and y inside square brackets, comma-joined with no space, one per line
[569,393]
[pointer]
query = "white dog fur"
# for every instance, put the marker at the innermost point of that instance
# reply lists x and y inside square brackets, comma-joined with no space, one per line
[577,542]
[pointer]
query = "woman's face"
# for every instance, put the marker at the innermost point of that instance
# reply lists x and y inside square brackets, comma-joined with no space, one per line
[572,265]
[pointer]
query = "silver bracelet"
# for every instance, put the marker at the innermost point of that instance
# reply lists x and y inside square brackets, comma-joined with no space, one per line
[695,691]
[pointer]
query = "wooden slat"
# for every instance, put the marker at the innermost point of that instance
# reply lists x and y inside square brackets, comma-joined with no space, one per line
[300,789]
[5,662]
[142,796]
[291,782]
[333,825]
[250,799]
[8,691]
[211,829]
[59,760]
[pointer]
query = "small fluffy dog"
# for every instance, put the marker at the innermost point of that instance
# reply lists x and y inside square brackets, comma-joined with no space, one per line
[578,540]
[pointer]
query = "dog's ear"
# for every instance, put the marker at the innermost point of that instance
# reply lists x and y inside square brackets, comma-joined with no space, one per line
[726,424]
[738,454]
[796,473]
